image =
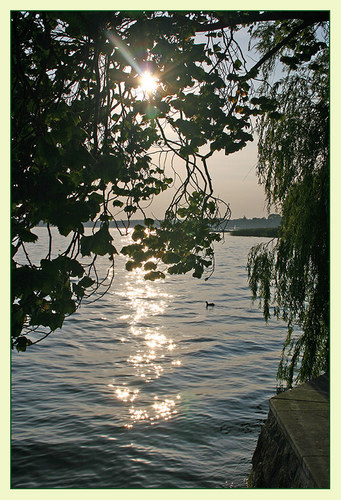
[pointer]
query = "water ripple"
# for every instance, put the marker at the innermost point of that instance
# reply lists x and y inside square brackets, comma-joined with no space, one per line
[146,388]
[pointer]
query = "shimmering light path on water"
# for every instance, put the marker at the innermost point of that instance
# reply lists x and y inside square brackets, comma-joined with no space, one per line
[146,388]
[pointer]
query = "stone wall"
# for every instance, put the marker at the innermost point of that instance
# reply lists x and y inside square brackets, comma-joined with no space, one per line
[274,463]
[293,446]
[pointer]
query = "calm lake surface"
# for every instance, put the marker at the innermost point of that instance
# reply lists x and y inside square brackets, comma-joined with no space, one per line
[146,388]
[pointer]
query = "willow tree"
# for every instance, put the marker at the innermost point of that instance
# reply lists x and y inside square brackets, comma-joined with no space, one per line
[89,144]
[292,272]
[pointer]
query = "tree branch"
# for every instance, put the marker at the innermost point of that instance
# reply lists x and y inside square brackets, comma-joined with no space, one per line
[234,19]
[275,49]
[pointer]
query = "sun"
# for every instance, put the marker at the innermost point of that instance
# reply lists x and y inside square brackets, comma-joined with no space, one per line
[148,82]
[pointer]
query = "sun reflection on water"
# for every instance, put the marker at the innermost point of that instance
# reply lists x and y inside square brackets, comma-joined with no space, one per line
[125,394]
[145,300]
[153,411]
[147,360]
[159,410]
[150,354]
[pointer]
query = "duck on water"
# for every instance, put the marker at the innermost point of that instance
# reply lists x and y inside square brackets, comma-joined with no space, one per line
[209,304]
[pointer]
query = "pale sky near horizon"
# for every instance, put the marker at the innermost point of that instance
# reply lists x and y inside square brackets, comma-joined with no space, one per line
[234,180]
[234,176]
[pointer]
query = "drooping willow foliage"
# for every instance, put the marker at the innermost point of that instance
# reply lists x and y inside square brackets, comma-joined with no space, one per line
[88,144]
[292,272]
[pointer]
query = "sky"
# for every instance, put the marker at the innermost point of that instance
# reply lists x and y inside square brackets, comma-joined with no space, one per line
[234,176]
[234,181]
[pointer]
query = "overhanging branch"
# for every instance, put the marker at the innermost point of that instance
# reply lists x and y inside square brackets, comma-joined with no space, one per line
[234,19]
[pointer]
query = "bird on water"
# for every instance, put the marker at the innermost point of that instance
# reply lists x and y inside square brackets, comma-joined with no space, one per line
[209,304]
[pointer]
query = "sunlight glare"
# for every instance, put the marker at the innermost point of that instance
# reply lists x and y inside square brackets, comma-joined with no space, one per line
[148,82]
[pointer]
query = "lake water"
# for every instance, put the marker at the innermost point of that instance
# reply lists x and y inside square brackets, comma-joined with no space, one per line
[146,388]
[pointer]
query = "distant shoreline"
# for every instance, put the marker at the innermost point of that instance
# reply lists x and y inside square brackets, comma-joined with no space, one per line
[269,232]
[237,227]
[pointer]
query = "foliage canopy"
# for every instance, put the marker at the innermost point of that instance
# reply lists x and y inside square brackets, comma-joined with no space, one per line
[293,164]
[89,145]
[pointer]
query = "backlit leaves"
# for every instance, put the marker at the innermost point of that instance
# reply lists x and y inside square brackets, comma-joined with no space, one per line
[87,146]
[177,246]
[98,243]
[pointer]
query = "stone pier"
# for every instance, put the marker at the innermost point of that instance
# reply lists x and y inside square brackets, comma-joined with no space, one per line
[293,446]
